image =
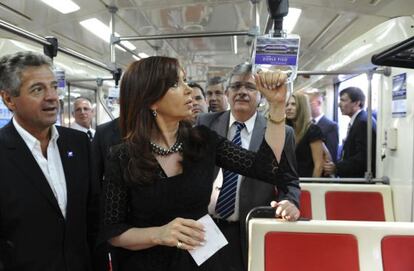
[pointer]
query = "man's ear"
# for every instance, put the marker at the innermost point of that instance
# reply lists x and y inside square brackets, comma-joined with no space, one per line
[7,100]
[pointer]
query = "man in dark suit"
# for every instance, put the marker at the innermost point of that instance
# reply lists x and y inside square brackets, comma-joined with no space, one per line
[48,200]
[353,162]
[244,99]
[328,127]
[106,136]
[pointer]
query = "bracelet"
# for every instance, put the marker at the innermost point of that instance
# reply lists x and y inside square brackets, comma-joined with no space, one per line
[279,121]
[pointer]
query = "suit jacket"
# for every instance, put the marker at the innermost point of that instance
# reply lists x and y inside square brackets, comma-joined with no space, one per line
[330,132]
[254,193]
[31,221]
[106,136]
[354,151]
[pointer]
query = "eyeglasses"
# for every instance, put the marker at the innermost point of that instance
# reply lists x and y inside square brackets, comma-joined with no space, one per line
[83,109]
[238,85]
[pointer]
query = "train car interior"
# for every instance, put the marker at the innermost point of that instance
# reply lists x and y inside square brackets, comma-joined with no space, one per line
[343,43]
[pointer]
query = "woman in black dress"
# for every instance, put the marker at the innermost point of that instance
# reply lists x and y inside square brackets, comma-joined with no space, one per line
[308,136]
[159,180]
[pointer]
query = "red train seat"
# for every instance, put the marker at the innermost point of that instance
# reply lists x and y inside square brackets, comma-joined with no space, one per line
[366,202]
[319,245]
[305,205]
[337,252]
[397,253]
[354,205]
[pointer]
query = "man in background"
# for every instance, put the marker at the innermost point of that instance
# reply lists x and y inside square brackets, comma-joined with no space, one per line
[328,127]
[199,99]
[216,98]
[244,119]
[353,162]
[83,114]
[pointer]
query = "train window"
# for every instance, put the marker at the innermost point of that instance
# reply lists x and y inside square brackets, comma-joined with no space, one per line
[5,114]
[360,81]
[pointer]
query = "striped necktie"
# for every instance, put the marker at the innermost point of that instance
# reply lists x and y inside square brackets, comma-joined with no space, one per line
[227,198]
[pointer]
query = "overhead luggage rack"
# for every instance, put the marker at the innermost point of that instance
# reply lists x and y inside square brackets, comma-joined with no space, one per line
[400,55]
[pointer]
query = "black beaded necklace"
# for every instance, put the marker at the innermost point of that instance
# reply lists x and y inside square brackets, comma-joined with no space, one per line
[177,147]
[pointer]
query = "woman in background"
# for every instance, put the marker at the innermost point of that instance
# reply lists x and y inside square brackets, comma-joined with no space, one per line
[158,182]
[308,136]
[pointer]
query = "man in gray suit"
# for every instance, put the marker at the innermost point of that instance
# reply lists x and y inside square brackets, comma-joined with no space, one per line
[244,99]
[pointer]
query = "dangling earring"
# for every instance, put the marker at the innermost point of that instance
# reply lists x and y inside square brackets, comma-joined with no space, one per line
[154,113]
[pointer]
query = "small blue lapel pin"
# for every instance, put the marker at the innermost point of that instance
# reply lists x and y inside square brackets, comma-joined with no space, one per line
[70,154]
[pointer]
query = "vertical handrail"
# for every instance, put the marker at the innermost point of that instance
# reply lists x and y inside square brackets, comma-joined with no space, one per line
[69,106]
[368,173]
[112,10]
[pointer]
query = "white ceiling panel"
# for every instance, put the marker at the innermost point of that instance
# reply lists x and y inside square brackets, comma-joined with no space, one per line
[324,26]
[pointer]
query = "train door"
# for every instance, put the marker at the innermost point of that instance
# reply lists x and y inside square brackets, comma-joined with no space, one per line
[360,81]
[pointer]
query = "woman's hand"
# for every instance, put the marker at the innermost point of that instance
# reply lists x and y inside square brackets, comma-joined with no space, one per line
[286,210]
[272,85]
[181,233]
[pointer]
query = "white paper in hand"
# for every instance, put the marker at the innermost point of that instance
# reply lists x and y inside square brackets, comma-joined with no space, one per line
[215,241]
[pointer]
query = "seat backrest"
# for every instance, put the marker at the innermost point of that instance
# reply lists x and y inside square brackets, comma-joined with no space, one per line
[333,251]
[367,202]
[330,245]
[354,205]
[397,253]
[305,205]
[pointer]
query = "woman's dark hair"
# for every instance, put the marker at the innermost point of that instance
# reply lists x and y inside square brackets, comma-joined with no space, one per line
[145,82]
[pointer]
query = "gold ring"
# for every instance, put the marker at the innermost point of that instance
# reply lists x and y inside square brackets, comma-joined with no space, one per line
[179,245]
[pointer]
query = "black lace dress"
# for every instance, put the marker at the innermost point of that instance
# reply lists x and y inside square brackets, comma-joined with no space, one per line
[304,152]
[186,195]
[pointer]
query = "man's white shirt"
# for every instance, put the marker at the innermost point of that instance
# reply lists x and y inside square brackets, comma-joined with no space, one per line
[246,136]
[51,167]
[82,129]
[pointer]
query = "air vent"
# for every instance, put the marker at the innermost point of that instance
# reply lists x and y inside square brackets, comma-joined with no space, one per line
[18,13]
[374,2]
[325,30]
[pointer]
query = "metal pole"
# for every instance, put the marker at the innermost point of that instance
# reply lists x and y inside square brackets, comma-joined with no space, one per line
[69,107]
[80,56]
[73,80]
[383,71]
[23,33]
[384,180]
[255,30]
[368,173]
[112,10]
[38,39]
[185,35]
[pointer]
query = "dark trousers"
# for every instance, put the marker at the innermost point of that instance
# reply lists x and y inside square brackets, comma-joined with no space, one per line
[231,254]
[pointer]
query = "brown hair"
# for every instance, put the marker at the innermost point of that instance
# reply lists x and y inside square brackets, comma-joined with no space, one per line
[301,122]
[145,82]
